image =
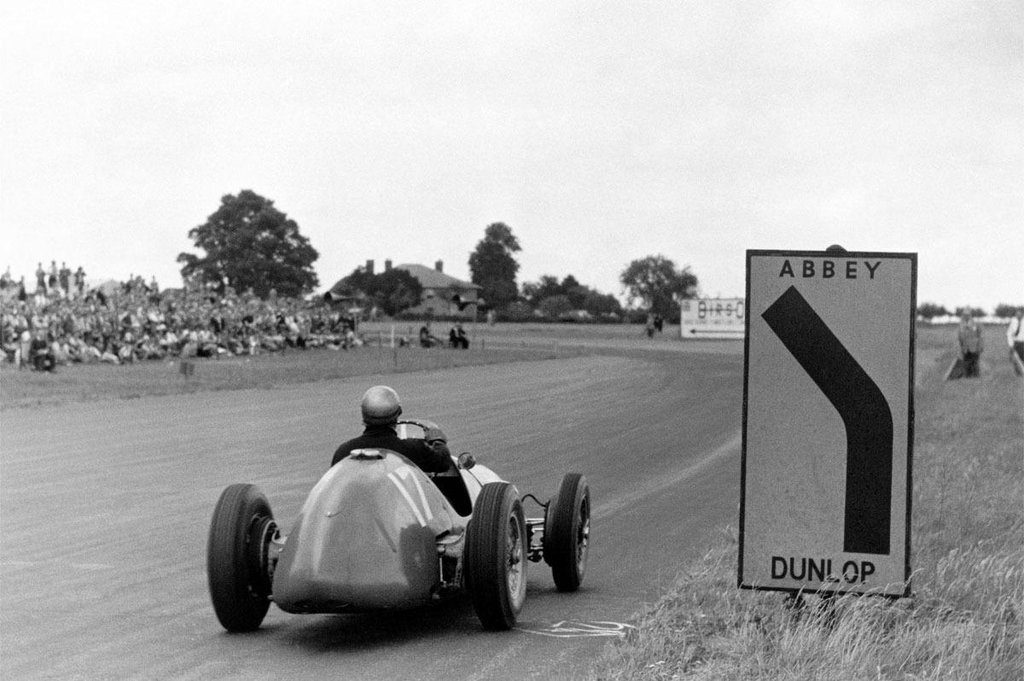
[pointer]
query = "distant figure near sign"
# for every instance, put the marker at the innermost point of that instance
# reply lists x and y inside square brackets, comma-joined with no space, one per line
[1015,339]
[968,337]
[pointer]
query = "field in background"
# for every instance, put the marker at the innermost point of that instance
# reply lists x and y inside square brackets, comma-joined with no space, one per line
[966,618]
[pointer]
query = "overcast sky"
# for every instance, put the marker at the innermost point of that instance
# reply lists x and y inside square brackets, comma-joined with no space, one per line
[599,132]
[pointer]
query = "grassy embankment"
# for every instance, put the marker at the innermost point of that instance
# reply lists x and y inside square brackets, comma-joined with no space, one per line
[490,345]
[86,382]
[966,617]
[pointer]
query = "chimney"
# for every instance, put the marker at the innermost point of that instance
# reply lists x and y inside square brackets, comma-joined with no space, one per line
[387,265]
[369,266]
[439,266]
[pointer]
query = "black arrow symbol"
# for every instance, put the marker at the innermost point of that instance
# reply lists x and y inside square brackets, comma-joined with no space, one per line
[865,413]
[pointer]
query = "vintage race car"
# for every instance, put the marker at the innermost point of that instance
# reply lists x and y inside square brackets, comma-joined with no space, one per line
[378,533]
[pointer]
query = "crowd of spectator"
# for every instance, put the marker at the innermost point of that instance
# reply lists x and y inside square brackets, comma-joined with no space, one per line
[62,321]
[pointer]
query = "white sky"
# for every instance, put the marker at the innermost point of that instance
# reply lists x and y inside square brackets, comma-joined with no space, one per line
[599,132]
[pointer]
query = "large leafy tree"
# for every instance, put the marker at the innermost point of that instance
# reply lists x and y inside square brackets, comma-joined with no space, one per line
[492,266]
[545,287]
[578,296]
[392,291]
[600,304]
[555,306]
[250,243]
[658,284]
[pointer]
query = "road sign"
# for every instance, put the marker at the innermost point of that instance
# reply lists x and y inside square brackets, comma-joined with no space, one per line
[828,422]
[711,318]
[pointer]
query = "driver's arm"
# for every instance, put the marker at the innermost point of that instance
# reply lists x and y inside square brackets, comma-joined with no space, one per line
[439,458]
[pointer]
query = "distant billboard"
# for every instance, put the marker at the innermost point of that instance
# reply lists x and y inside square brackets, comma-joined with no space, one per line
[712,318]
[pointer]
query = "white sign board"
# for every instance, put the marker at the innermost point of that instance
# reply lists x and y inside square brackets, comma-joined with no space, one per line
[828,422]
[711,318]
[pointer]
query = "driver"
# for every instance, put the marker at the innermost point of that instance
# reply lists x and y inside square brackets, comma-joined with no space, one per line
[380,408]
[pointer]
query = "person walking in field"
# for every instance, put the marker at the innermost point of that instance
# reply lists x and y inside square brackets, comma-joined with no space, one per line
[1015,339]
[969,339]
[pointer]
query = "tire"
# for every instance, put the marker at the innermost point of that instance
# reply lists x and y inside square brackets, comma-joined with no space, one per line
[567,532]
[237,563]
[495,556]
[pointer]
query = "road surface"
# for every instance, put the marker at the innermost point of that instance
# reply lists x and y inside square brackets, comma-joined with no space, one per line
[104,509]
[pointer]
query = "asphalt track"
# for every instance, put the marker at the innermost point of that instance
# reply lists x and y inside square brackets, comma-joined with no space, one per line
[104,509]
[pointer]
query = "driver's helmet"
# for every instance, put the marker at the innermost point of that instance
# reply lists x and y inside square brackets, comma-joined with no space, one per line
[380,406]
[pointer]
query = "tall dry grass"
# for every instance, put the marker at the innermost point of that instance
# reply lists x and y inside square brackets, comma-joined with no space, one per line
[965,620]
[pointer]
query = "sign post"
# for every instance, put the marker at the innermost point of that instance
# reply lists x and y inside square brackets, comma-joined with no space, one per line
[828,422]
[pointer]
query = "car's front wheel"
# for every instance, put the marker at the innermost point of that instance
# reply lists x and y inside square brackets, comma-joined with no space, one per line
[495,556]
[567,532]
[237,557]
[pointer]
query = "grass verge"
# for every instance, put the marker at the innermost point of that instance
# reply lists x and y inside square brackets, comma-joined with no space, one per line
[86,382]
[966,617]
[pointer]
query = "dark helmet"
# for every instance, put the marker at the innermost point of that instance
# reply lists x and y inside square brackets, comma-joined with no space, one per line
[380,406]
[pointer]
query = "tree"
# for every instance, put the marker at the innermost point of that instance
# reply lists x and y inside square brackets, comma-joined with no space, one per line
[545,287]
[602,304]
[973,311]
[391,291]
[929,311]
[555,306]
[657,284]
[574,291]
[492,266]
[579,297]
[250,243]
[1005,311]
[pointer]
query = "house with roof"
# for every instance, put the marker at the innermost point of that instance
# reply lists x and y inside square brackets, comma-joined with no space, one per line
[443,295]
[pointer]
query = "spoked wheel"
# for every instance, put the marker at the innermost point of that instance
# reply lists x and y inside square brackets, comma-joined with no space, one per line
[567,532]
[495,556]
[237,557]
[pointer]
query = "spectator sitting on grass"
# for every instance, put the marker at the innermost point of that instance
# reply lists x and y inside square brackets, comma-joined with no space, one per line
[457,337]
[41,353]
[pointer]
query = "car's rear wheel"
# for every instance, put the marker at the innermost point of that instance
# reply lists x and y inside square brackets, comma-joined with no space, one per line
[567,532]
[237,557]
[495,556]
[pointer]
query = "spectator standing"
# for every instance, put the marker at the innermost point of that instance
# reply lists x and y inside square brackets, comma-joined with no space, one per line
[80,281]
[64,277]
[54,275]
[24,347]
[1015,337]
[40,280]
[969,339]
